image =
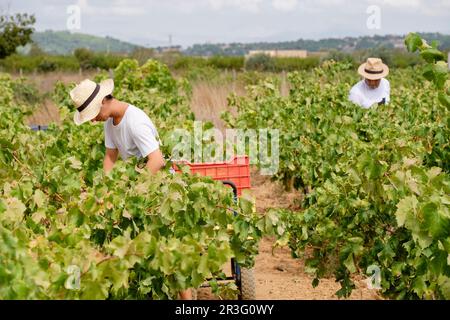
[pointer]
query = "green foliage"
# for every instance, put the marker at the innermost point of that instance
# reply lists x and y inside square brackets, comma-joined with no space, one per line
[41,63]
[92,60]
[84,57]
[25,93]
[394,58]
[260,62]
[340,56]
[251,77]
[65,43]
[376,181]
[196,67]
[216,62]
[15,30]
[264,63]
[210,74]
[436,69]
[68,231]
[142,54]
[227,63]
[294,64]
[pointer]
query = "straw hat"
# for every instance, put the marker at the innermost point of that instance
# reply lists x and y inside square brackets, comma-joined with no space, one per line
[88,96]
[373,69]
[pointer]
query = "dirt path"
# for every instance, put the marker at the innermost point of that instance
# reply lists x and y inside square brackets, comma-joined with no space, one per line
[278,276]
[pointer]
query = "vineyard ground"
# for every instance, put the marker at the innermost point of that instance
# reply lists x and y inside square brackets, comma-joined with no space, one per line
[277,274]
[280,277]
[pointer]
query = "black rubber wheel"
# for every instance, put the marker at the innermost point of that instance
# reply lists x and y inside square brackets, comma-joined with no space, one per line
[248,286]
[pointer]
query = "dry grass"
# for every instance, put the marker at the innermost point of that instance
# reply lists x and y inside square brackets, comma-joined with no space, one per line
[284,85]
[45,82]
[210,100]
[44,114]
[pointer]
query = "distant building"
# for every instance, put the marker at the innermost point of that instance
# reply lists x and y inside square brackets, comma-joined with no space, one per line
[399,44]
[170,49]
[280,53]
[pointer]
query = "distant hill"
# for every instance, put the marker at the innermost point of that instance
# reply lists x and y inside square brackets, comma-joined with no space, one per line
[347,44]
[64,42]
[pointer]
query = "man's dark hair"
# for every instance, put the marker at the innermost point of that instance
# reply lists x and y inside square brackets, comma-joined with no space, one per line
[109,97]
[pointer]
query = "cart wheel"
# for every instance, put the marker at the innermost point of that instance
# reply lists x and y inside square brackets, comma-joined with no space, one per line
[248,288]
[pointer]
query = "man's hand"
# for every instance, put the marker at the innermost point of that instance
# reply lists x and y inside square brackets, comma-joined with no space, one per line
[155,161]
[110,158]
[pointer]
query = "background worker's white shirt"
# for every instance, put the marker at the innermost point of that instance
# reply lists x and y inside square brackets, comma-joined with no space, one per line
[135,135]
[362,95]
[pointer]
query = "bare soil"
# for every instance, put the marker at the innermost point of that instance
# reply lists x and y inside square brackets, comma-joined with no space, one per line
[278,276]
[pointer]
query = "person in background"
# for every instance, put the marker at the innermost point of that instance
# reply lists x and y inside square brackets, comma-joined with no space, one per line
[373,88]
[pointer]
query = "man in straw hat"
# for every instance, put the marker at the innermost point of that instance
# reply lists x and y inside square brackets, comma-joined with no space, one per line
[373,89]
[128,130]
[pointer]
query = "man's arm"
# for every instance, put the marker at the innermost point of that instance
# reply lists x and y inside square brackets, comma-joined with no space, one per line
[155,161]
[110,159]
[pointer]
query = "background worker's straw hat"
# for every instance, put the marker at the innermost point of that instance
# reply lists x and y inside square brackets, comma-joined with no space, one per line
[88,96]
[373,69]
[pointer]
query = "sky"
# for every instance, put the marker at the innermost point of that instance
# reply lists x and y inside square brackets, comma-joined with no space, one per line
[185,22]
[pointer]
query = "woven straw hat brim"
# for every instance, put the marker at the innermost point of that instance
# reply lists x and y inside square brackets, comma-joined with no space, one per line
[93,109]
[362,72]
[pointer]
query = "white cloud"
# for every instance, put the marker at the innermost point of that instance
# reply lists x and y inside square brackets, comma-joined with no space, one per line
[244,5]
[116,7]
[196,21]
[398,3]
[430,8]
[285,5]
[322,3]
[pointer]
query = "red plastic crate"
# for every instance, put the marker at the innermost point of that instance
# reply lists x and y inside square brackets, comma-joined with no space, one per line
[236,170]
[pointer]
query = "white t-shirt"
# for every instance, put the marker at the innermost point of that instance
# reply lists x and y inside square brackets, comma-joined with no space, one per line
[135,135]
[364,96]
